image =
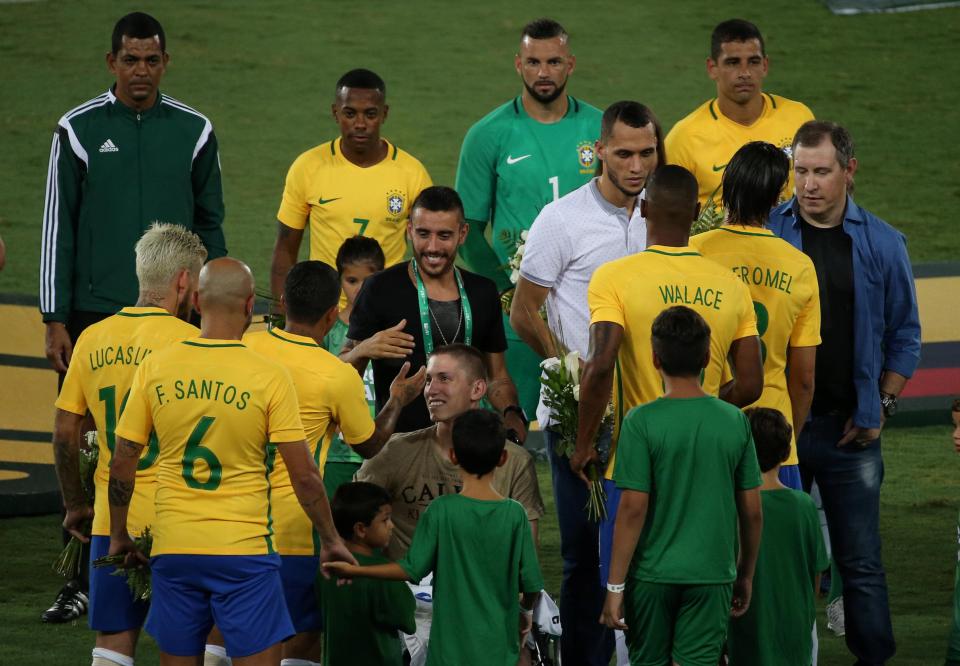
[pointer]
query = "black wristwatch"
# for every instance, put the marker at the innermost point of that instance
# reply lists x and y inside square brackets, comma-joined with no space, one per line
[519,412]
[889,403]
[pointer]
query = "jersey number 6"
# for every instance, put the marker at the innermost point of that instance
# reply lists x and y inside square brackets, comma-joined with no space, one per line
[194,451]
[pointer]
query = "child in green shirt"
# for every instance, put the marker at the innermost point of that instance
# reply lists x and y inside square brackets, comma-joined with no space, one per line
[479,547]
[776,629]
[689,476]
[357,259]
[953,642]
[362,620]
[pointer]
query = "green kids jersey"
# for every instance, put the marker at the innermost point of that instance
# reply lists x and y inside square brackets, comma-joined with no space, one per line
[333,343]
[510,167]
[775,631]
[482,557]
[691,455]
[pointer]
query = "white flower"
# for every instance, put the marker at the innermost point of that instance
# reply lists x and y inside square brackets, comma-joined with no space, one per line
[572,363]
[514,275]
[608,412]
[523,235]
[576,392]
[551,363]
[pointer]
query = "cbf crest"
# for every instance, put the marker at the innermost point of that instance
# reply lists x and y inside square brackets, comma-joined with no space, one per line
[586,156]
[395,202]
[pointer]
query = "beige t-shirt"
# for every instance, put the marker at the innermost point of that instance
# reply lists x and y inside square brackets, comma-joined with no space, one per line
[412,469]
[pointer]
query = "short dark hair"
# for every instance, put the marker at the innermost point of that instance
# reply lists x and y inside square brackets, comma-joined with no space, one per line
[361,78]
[735,30]
[310,290]
[753,180]
[358,250]
[543,28]
[813,132]
[681,340]
[467,356]
[632,114]
[356,502]
[478,441]
[439,198]
[771,436]
[137,25]
[672,191]
[955,407]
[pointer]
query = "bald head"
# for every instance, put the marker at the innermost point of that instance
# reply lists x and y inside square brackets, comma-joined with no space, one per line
[671,197]
[226,285]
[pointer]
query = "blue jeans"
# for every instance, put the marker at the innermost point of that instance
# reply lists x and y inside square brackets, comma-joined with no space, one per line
[849,479]
[584,640]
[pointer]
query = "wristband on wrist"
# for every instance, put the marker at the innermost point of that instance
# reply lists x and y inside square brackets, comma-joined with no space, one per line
[616,588]
[516,409]
[526,611]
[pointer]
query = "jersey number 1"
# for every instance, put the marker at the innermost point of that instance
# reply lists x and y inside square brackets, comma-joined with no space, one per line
[555,184]
[108,396]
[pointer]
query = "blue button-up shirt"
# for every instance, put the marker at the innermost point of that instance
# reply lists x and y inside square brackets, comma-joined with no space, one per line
[886,323]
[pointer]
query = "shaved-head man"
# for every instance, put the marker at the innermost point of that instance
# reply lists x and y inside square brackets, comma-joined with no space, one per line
[625,296]
[207,399]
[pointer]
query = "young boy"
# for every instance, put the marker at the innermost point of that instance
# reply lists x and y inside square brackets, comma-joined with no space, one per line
[776,629]
[953,643]
[689,475]
[480,548]
[362,619]
[357,259]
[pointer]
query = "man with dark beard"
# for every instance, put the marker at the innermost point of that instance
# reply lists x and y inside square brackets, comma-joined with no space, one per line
[419,305]
[532,150]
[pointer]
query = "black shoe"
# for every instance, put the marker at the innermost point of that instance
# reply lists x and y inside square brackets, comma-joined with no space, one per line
[71,603]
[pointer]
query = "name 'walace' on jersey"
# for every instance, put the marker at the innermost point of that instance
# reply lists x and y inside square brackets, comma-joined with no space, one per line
[203,389]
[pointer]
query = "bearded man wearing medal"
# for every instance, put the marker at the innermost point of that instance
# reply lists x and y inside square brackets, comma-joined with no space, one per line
[406,311]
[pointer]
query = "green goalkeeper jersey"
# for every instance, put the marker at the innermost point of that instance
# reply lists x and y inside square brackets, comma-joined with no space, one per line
[511,166]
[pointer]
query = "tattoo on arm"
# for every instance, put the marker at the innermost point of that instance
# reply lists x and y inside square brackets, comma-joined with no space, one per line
[119,491]
[127,449]
[67,462]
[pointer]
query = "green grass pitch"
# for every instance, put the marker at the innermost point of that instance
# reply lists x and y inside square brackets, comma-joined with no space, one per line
[264,72]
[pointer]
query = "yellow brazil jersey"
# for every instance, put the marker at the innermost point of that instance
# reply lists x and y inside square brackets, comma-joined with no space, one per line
[342,199]
[332,396]
[633,290]
[217,409]
[786,298]
[105,358]
[704,141]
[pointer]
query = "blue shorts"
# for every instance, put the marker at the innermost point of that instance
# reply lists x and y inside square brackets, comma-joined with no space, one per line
[298,574]
[112,606]
[790,476]
[242,594]
[606,529]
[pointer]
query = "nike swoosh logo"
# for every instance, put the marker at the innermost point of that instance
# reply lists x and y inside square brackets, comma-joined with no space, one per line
[320,202]
[514,160]
[719,168]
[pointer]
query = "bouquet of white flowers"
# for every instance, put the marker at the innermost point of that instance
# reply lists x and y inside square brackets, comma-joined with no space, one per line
[506,299]
[561,382]
[138,578]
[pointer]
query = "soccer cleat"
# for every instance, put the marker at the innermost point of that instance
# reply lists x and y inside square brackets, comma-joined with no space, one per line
[835,622]
[70,604]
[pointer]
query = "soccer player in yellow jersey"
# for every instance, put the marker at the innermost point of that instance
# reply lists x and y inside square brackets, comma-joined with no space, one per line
[357,184]
[220,412]
[625,297]
[107,354]
[332,397]
[705,140]
[782,282]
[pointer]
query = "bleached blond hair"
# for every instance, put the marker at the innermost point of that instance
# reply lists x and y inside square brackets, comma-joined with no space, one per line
[162,252]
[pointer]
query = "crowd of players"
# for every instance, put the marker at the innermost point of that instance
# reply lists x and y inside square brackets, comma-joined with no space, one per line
[393,384]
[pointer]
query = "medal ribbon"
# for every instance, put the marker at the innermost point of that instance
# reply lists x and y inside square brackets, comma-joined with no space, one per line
[425,312]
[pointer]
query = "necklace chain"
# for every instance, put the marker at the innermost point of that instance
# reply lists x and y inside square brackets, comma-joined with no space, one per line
[440,330]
